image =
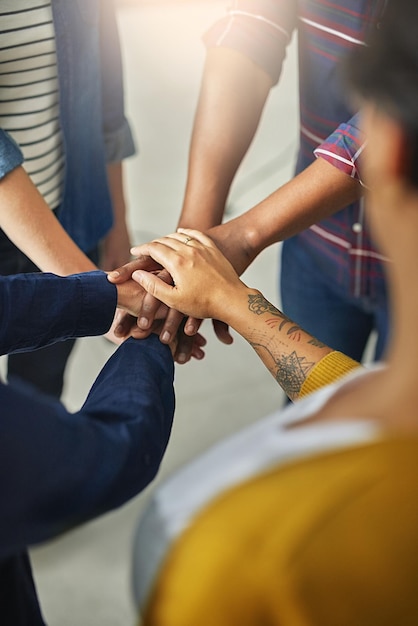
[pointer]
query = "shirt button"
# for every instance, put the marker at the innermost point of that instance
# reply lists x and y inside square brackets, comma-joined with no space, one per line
[357,228]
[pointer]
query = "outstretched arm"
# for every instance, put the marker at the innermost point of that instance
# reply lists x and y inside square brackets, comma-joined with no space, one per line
[317,192]
[29,222]
[205,285]
[233,93]
[61,469]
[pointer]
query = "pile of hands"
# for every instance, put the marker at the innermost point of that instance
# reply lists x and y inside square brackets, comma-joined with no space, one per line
[174,283]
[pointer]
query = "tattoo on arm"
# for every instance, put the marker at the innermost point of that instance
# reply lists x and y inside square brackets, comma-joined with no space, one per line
[289,370]
[259,305]
[317,343]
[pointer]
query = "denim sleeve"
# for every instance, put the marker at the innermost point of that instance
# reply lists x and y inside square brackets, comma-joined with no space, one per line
[59,469]
[119,142]
[39,309]
[344,147]
[10,154]
[259,29]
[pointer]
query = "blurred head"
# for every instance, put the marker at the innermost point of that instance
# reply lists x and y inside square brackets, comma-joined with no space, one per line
[384,77]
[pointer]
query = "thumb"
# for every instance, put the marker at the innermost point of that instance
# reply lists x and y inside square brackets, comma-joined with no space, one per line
[154,286]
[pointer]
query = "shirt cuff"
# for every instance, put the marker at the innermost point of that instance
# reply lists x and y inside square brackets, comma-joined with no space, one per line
[10,154]
[261,41]
[333,366]
[342,149]
[99,300]
[119,144]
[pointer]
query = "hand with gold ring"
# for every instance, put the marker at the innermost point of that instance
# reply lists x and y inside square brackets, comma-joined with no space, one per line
[190,343]
[204,283]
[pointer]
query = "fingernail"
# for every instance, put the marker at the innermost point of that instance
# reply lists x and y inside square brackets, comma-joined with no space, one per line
[113,274]
[182,358]
[166,337]
[143,323]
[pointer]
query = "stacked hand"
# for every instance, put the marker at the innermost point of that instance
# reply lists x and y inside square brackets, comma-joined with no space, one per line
[187,279]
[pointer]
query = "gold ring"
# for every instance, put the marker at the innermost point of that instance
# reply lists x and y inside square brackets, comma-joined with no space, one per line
[186,241]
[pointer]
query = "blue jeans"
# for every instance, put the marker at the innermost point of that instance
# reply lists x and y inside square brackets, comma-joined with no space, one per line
[326,309]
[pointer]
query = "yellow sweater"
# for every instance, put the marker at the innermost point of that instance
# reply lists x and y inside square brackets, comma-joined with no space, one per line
[333,366]
[327,541]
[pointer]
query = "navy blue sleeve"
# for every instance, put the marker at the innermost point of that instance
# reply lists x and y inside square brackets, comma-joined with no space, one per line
[59,469]
[39,309]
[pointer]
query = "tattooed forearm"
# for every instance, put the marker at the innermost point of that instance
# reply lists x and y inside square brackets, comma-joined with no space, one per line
[317,343]
[289,370]
[259,305]
[291,373]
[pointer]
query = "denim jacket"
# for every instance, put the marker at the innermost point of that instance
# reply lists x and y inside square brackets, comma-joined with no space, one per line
[95,130]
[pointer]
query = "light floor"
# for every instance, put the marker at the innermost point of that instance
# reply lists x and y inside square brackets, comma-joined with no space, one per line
[84,577]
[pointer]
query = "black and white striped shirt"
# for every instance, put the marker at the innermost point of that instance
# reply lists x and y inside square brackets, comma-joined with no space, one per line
[29,92]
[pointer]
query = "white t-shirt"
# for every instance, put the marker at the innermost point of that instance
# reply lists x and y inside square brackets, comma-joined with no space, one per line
[29,92]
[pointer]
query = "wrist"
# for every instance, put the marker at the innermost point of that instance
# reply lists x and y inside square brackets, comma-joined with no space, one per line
[237,311]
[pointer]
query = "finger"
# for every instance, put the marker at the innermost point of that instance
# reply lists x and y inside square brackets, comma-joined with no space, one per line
[152,308]
[123,324]
[196,235]
[184,347]
[144,250]
[171,325]
[199,340]
[190,348]
[124,273]
[154,286]
[175,241]
[197,352]
[222,332]
[192,325]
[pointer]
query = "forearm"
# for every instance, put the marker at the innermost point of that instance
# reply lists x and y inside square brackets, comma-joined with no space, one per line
[38,309]
[117,243]
[81,465]
[30,224]
[315,193]
[288,352]
[232,97]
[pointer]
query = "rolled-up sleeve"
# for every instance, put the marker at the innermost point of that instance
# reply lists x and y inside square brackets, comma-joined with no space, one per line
[119,141]
[10,154]
[344,147]
[259,29]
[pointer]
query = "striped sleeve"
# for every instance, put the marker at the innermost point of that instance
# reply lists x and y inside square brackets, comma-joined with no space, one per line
[344,147]
[259,29]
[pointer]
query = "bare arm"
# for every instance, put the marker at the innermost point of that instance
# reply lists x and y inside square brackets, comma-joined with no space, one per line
[207,286]
[232,98]
[117,243]
[317,192]
[29,222]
